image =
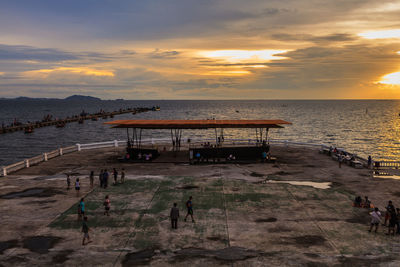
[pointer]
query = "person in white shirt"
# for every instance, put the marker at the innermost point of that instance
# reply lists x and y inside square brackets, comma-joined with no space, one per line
[375,219]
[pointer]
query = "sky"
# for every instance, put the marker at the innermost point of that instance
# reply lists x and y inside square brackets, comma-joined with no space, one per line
[201,49]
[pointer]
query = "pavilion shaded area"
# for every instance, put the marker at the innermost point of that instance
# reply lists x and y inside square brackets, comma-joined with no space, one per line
[207,152]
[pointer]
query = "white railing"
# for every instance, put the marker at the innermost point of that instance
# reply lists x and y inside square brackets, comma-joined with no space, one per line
[5,170]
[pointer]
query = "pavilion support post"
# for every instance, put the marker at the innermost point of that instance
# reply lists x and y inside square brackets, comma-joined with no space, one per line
[216,137]
[173,139]
[140,138]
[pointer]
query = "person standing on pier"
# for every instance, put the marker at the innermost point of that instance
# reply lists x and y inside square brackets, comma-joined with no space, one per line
[81,209]
[340,159]
[174,215]
[115,174]
[68,182]
[91,177]
[122,176]
[77,186]
[189,206]
[375,220]
[105,178]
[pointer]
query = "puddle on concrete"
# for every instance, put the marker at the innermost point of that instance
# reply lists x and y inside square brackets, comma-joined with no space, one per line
[279,229]
[262,220]
[33,192]
[4,245]
[225,254]
[40,202]
[40,244]
[217,238]
[319,185]
[26,193]
[256,174]
[138,258]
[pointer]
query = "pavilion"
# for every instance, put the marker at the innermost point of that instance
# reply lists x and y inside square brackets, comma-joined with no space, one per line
[177,126]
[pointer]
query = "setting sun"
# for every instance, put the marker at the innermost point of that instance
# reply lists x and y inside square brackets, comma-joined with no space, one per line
[392,78]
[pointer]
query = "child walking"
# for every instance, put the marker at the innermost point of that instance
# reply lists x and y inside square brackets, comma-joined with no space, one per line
[107,206]
[85,231]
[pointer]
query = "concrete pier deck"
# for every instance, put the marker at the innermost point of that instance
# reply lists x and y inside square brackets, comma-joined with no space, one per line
[245,215]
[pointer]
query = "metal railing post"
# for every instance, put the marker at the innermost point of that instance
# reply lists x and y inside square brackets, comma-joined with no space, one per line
[4,171]
[60,151]
[79,147]
[45,157]
[27,163]
[115,143]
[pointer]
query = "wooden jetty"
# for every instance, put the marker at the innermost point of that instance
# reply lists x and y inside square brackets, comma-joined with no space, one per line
[75,118]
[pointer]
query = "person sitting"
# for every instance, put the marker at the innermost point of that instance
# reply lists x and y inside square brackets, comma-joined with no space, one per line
[264,156]
[198,156]
[127,156]
[357,201]
[367,203]
[139,156]
[147,157]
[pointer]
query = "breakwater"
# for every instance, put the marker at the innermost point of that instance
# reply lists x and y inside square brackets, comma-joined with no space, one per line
[29,126]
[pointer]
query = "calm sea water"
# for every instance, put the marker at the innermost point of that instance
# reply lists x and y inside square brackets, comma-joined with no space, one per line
[370,127]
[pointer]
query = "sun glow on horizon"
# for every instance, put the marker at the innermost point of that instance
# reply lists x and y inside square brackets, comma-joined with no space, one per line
[241,56]
[391,79]
[381,34]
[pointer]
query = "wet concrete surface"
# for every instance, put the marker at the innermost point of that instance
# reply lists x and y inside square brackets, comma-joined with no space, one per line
[252,223]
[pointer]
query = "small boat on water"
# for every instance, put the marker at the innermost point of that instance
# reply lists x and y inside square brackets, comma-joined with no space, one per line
[156,108]
[28,130]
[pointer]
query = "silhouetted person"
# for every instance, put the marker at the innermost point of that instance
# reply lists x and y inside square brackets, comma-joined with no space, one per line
[174,214]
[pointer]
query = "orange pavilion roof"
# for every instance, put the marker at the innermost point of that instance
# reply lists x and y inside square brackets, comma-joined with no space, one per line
[196,124]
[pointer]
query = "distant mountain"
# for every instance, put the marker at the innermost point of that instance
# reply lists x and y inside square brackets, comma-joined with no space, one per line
[82,97]
[70,98]
[30,98]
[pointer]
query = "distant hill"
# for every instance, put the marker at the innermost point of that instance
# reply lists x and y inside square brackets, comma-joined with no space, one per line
[70,98]
[82,97]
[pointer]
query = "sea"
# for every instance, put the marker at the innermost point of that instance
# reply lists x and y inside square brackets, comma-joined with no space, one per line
[364,127]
